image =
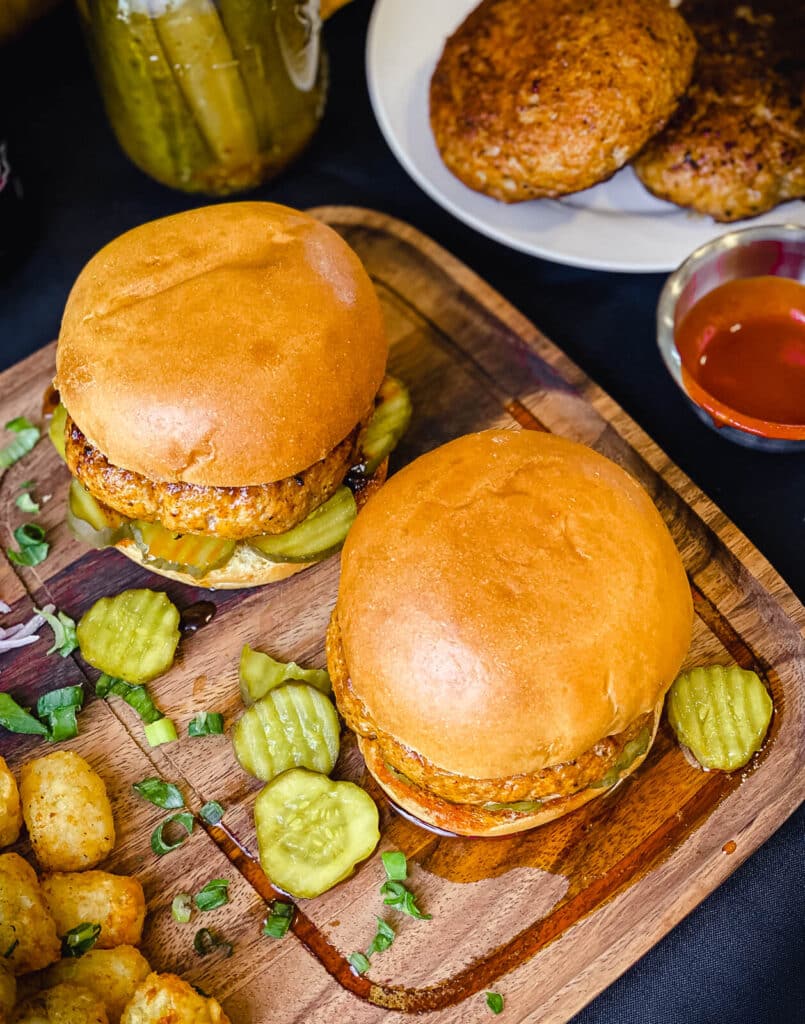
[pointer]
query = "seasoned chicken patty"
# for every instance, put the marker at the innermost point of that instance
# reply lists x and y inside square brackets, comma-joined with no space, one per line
[559,780]
[736,146]
[548,97]
[233,512]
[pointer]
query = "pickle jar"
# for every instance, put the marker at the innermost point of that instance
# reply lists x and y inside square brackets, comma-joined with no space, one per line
[211,96]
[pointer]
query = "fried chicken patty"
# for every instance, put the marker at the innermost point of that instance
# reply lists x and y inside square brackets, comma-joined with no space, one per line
[736,146]
[233,512]
[559,780]
[548,97]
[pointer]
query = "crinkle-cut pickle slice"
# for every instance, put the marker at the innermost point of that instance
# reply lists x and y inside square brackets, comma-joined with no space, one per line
[388,424]
[293,726]
[132,636]
[56,429]
[720,714]
[311,831]
[189,553]
[318,535]
[92,523]
[258,673]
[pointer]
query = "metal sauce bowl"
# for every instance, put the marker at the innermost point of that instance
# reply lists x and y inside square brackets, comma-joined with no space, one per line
[776,250]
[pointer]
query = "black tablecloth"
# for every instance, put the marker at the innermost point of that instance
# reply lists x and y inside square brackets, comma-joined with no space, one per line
[740,957]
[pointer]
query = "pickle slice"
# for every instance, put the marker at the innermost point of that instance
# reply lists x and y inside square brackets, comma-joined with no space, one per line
[189,553]
[260,673]
[56,428]
[91,522]
[293,726]
[131,636]
[631,751]
[321,534]
[720,714]
[388,424]
[311,831]
[298,31]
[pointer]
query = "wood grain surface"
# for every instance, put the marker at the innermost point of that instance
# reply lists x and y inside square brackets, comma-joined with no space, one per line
[546,918]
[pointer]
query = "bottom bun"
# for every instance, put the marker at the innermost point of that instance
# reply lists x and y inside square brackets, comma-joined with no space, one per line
[474,819]
[247,568]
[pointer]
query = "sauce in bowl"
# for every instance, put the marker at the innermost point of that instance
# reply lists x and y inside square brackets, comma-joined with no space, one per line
[742,348]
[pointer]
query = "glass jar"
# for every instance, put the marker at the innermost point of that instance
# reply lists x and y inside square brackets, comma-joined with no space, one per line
[210,96]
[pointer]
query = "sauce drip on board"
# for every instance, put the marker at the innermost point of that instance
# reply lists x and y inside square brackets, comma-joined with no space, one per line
[195,616]
[743,344]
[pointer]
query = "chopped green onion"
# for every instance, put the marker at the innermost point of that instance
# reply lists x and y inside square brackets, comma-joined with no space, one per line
[206,723]
[25,503]
[80,939]
[136,697]
[358,963]
[214,894]
[158,843]
[64,639]
[63,725]
[162,794]
[11,949]
[494,1000]
[182,907]
[279,920]
[27,436]
[384,937]
[395,865]
[211,812]
[66,697]
[161,731]
[16,719]
[396,896]
[33,548]
[206,942]
[26,485]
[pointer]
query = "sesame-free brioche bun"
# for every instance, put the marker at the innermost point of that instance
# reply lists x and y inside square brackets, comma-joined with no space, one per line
[232,345]
[506,602]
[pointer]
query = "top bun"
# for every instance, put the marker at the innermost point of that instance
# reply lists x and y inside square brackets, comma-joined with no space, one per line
[508,600]
[230,345]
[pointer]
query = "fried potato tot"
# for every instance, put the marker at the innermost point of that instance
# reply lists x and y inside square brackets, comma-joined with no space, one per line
[115,902]
[166,999]
[28,938]
[8,993]
[62,1004]
[67,811]
[10,811]
[112,974]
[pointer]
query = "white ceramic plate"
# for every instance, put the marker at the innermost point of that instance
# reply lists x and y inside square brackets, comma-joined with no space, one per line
[617,225]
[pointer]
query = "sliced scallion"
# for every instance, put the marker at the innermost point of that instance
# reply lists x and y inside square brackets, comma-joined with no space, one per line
[398,897]
[63,724]
[182,907]
[80,939]
[27,436]
[162,794]
[25,503]
[16,719]
[136,696]
[158,843]
[64,639]
[358,963]
[211,812]
[395,865]
[384,936]
[33,548]
[214,894]
[206,723]
[206,942]
[494,1000]
[161,731]
[279,920]
[65,697]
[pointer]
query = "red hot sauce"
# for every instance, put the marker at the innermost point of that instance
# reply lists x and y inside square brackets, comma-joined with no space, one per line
[742,348]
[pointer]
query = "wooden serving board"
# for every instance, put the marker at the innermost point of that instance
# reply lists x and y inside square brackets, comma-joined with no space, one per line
[547,918]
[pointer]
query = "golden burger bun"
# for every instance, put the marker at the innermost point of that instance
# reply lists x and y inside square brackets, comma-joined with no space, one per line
[511,612]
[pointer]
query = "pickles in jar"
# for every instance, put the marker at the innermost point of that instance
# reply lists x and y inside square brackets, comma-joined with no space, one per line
[132,636]
[311,831]
[721,714]
[318,535]
[293,726]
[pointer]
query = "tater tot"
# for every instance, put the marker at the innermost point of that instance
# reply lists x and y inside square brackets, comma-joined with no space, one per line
[115,902]
[62,1004]
[112,974]
[28,938]
[8,993]
[166,999]
[67,812]
[10,811]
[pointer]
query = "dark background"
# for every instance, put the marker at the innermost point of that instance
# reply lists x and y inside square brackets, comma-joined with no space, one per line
[740,957]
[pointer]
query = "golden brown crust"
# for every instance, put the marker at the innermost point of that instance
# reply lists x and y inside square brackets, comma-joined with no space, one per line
[234,512]
[550,97]
[228,346]
[736,146]
[508,600]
